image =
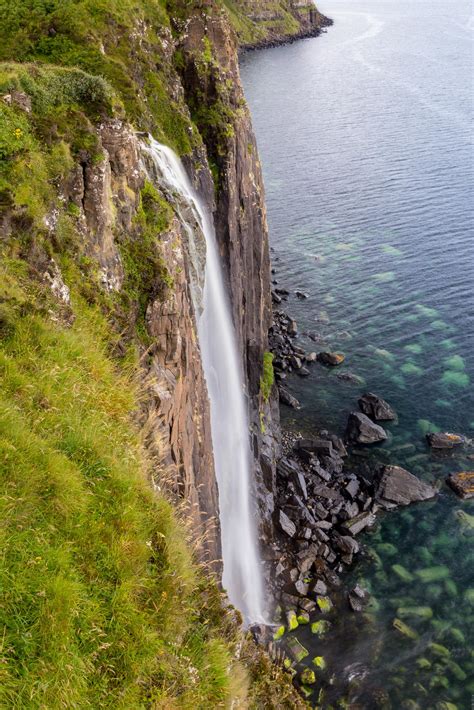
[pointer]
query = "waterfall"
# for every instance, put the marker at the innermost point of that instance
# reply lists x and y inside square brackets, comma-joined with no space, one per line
[224,377]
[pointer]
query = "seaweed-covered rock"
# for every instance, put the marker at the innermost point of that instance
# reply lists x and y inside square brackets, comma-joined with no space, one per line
[462,483]
[444,440]
[400,487]
[362,430]
[332,359]
[376,408]
[296,649]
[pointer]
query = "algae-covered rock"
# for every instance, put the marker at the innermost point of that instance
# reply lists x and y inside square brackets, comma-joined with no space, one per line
[386,549]
[403,573]
[324,604]
[303,618]
[319,662]
[469,596]
[320,628]
[279,633]
[308,676]
[462,483]
[292,620]
[457,671]
[296,649]
[423,664]
[418,612]
[404,629]
[433,574]
[438,650]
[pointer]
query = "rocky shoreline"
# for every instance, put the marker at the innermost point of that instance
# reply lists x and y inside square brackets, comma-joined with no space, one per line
[289,39]
[323,504]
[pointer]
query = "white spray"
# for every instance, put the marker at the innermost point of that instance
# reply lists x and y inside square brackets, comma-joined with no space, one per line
[224,378]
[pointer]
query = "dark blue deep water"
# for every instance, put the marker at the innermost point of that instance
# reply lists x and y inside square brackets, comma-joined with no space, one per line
[365,136]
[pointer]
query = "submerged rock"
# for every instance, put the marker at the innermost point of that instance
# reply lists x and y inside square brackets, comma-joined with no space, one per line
[361,430]
[400,487]
[288,399]
[444,440]
[376,408]
[462,483]
[332,359]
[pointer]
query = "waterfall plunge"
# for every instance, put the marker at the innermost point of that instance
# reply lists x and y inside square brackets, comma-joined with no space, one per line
[223,373]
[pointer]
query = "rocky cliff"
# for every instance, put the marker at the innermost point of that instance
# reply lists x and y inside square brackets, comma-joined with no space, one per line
[270,22]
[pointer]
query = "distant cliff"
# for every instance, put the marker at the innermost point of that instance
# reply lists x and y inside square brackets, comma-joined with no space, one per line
[261,23]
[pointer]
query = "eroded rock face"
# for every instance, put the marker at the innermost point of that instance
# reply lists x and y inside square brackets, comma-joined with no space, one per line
[241,230]
[400,487]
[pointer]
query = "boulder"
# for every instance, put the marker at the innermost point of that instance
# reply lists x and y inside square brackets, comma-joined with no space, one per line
[288,399]
[400,487]
[361,430]
[332,359]
[444,440]
[462,483]
[359,523]
[376,408]
[321,447]
[286,524]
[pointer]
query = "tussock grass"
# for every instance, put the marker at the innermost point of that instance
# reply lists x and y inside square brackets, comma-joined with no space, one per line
[103,605]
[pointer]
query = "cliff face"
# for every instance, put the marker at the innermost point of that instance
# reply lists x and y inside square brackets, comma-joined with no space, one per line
[240,219]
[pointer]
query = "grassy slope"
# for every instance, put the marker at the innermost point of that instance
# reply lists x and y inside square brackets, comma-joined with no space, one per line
[102,604]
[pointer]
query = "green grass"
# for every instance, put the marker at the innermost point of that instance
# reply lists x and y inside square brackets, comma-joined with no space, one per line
[116,40]
[102,603]
[268,376]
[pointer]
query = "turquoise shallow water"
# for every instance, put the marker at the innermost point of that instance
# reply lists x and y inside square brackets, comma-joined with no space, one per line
[365,136]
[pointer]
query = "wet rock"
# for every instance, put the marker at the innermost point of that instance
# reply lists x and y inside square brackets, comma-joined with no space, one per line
[346,544]
[319,588]
[399,487]
[301,294]
[361,430]
[359,523]
[295,362]
[293,328]
[352,488]
[286,524]
[295,649]
[444,440]
[331,359]
[376,408]
[311,357]
[276,298]
[404,629]
[349,377]
[288,399]
[338,445]
[321,447]
[282,291]
[306,558]
[307,605]
[303,372]
[462,483]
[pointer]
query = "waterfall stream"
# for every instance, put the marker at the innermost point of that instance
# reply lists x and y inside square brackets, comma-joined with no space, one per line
[224,377]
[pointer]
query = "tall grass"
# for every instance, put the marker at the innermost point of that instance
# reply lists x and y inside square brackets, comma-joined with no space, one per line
[102,603]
